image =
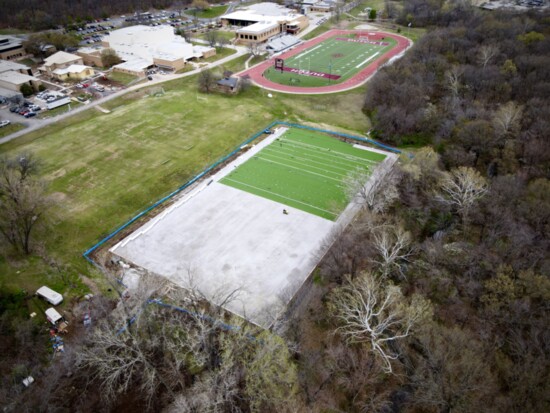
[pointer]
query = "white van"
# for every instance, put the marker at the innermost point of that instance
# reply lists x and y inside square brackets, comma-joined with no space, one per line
[49,295]
[53,316]
[57,320]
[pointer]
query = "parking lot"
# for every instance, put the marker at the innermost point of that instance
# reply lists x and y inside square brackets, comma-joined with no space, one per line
[33,109]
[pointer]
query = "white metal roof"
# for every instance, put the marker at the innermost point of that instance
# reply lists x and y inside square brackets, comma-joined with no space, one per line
[60,58]
[89,50]
[6,65]
[52,315]
[135,65]
[10,43]
[16,78]
[71,69]
[139,45]
[259,27]
[263,12]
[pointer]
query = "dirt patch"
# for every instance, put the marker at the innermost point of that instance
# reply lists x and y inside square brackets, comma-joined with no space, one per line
[90,284]
[58,197]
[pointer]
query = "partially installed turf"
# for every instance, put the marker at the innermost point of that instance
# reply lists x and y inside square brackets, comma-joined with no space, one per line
[304,170]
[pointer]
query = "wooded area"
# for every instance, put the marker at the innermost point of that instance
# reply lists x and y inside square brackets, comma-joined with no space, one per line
[435,299]
[48,14]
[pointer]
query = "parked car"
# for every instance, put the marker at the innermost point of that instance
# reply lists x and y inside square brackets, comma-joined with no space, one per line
[30,114]
[4,123]
[85,85]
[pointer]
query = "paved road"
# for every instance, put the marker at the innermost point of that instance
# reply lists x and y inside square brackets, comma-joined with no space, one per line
[35,124]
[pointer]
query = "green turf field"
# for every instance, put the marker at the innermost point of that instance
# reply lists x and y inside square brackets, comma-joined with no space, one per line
[333,57]
[304,170]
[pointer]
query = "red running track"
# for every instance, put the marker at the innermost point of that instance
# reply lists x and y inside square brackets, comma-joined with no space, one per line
[256,73]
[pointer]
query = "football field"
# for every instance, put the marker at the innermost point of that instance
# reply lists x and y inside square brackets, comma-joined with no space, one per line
[332,61]
[303,169]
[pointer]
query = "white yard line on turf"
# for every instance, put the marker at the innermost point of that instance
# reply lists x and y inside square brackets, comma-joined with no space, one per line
[366,60]
[293,154]
[351,158]
[294,167]
[281,196]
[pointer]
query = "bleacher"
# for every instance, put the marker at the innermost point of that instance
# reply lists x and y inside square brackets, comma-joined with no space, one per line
[280,43]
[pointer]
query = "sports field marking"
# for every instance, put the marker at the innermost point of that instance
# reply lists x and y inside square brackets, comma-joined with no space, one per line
[282,196]
[309,51]
[324,60]
[294,154]
[303,166]
[334,164]
[330,153]
[365,61]
[306,164]
[294,167]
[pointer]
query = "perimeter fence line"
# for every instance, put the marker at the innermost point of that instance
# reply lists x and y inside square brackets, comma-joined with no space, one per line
[275,123]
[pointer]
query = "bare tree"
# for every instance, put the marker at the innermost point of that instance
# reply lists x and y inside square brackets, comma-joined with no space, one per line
[486,53]
[119,361]
[254,48]
[357,374]
[22,200]
[424,167]
[454,84]
[393,246]
[453,374]
[372,312]
[376,190]
[207,81]
[461,188]
[507,120]
[212,37]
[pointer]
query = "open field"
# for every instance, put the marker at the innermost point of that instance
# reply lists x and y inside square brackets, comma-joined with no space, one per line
[223,237]
[305,170]
[102,169]
[332,61]
[221,34]
[212,12]
[221,52]
[122,78]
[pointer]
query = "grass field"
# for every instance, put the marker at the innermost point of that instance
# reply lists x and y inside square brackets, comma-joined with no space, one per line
[221,34]
[305,170]
[212,12]
[332,57]
[122,78]
[102,169]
